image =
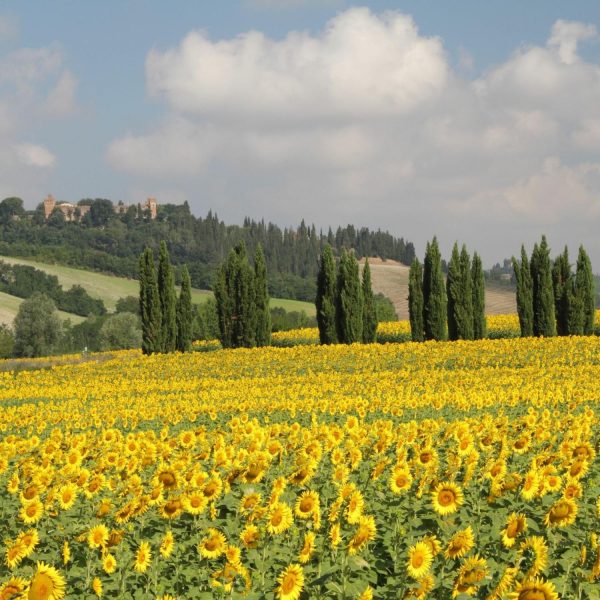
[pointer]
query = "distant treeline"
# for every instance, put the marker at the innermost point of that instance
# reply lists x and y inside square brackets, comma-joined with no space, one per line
[112,243]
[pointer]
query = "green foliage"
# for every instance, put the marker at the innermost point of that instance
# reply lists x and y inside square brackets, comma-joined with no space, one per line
[524,293]
[184,313]
[150,305]
[205,323]
[369,334]
[415,301]
[384,308]
[128,304]
[7,341]
[37,326]
[263,315]
[478,295]
[85,335]
[564,294]
[349,309]
[167,299]
[285,320]
[235,295]
[120,332]
[326,298]
[434,294]
[454,292]
[584,281]
[544,316]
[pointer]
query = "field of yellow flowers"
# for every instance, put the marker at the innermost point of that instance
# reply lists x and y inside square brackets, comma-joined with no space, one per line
[399,470]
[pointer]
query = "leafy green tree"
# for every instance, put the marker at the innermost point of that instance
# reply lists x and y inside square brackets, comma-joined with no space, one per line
[584,280]
[10,209]
[349,309]
[120,332]
[564,293]
[415,301]
[235,294]
[7,341]
[478,288]
[149,305]
[326,297]
[544,316]
[384,308]
[184,313]
[38,328]
[168,300]
[434,294]
[369,335]
[128,304]
[524,293]
[263,313]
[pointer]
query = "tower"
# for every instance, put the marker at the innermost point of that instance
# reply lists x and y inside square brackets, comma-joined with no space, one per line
[49,204]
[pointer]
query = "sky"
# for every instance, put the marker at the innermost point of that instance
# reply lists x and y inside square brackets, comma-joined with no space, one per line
[478,122]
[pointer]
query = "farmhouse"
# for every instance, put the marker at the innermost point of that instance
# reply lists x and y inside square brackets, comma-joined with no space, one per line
[76,212]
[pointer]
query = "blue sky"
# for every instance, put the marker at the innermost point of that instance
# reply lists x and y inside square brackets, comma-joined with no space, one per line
[477,121]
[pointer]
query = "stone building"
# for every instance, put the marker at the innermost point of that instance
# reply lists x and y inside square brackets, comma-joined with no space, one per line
[76,212]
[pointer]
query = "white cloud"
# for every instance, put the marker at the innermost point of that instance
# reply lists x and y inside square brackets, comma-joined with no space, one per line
[61,98]
[35,155]
[366,121]
[8,27]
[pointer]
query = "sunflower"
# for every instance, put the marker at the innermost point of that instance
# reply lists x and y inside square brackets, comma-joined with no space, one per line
[473,571]
[433,543]
[250,536]
[530,485]
[213,544]
[535,551]
[47,584]
[400,480]
[31,512]
[171,509]
[447,497]
[419,561]
[505,584]
[167,544]
[517,524]
[250,501]
[356,503]
[306,504]
[364,534]
[109,563]
[308,548]
[66,552]
[534,589]
[335,535]
[14,588]
[194,503]
[367,594]
[67,496]
[460,543]
[142,558]
[279,518]
[561,514]
[98,536]
[15,553]
[168,478]
[97,587]
[291,583]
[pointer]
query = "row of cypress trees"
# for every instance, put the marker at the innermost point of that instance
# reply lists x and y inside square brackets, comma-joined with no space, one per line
[345,305]
[166,319]
[454,309]
[242,300]
[551,299]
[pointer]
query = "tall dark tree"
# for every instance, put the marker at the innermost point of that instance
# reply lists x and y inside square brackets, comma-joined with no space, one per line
[326,297]
[235,295]
[522,271]
[415,301]
[149,305]
[544,316]
[369,335]
[349,310]
[168,300]
[434,294]
[563,289]
[185,313]
[574,307]
[454,293]
[263,312]
[466,285]
[478,288]
[584,280]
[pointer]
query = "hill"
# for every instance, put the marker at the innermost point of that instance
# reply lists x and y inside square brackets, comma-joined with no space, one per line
[109,288]
[391,279]
[9,306]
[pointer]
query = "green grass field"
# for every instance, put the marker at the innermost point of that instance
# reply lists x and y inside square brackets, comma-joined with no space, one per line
[110,288]
[9,306]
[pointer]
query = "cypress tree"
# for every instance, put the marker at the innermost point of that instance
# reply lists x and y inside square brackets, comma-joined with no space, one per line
[544,316]
[466,326]
[349,310]
[369,314]
[434,294]
[454,292]
[168,300]
[185,313]
[415,301]
[224,298]
[263,313]
[326,297]
[574,308]
[149,304]
[478,292]
[584,279]
[524,293]
[563,291]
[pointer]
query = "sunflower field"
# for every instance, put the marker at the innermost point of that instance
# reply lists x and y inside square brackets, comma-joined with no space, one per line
[396,470]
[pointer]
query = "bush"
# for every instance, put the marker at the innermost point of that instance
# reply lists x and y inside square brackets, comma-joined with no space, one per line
[120,332]
[7,341]
[38,328]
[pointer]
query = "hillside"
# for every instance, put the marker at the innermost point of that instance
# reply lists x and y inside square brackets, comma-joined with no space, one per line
[109,288]
[9,306]
[391,278]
